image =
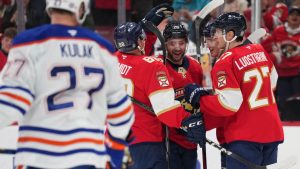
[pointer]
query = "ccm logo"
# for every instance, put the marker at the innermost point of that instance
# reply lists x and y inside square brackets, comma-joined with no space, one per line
[197,123]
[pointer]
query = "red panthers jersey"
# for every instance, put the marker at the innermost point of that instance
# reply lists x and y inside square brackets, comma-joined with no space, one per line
[148,81]
[3,59]
[243,81]
[289,45]
[189,72]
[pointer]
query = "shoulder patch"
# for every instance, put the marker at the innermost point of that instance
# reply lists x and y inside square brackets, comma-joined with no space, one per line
[162,78]
[221,78]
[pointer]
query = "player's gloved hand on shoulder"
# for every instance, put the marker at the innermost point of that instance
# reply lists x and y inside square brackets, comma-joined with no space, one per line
[192,94]
[194,128]
[115,149]
[159,13]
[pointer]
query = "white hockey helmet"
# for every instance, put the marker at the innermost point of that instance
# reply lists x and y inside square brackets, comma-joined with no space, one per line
[72,6]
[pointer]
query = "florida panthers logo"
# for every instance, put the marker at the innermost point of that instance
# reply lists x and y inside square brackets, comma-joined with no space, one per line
[182,71]
[290,49]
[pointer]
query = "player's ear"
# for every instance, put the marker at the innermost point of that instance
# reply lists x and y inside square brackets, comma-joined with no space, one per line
[230,35]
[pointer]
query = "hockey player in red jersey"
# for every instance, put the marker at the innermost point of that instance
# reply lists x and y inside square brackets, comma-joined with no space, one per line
[287,40]
[183,70]
[215,52]
[147,80]
[243,81]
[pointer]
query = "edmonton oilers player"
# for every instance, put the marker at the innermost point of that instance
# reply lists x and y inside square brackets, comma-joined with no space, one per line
[61,84]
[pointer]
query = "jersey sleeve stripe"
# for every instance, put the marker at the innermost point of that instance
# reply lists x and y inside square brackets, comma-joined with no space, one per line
[61,143]
[113,144]
[60,132]
[18,88]
[166,110]
[16,97]
[274,78]
[120,114]
[230,98]
[50,153]
[124,99]
[163,101]
[123,122]
[19,109]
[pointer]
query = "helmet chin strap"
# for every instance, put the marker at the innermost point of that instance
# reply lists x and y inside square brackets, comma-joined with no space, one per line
[228,42]
[142,50]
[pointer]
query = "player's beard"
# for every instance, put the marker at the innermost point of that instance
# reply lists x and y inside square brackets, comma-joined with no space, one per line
[176,56]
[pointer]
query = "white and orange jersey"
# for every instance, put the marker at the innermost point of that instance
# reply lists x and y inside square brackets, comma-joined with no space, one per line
[62,85]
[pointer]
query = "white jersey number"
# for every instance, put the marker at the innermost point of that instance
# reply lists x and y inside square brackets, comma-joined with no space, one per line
[129,87]
[253,100]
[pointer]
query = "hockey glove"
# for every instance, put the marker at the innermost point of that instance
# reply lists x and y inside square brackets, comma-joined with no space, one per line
[192,94]
[159,13]
[115,149]
[194,128]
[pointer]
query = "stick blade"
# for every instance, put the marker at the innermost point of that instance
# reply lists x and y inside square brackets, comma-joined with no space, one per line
[256,35]
[209,8]
[288,163]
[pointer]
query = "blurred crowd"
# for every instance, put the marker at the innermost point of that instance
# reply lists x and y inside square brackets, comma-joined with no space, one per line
[281,19]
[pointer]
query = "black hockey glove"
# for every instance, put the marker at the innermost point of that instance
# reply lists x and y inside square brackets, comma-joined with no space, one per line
[192,94]
[194,128]
[159,13]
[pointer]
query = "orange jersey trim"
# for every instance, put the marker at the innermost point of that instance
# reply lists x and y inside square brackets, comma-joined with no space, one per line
[113,144]
[60,143]
[122,113]
[16,97]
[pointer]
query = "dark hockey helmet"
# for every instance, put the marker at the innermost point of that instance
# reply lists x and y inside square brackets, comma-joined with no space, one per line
[207,31]
[126,36]
[231,21]
[175,29]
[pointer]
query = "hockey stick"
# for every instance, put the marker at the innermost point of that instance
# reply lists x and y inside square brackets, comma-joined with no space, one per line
[255,36]
[212,5]
[149,25]
[7,151]
[290,162]
[142,105]
[200,21]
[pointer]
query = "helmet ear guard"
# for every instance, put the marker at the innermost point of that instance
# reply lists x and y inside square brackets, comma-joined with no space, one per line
[80,8]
